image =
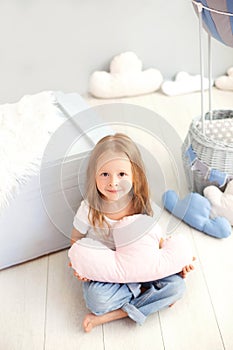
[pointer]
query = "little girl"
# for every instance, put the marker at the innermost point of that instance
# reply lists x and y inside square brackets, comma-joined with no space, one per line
[116,188]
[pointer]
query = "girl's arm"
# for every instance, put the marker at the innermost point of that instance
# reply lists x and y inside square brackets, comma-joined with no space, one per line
[75,236]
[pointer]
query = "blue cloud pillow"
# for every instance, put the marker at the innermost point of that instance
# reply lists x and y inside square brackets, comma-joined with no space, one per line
[194,210]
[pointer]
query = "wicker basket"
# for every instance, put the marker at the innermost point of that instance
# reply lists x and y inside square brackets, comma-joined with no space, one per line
[211,152]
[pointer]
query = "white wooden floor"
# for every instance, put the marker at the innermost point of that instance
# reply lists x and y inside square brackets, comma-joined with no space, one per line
[41,304]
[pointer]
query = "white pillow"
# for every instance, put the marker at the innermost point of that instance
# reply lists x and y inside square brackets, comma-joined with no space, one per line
[126,78]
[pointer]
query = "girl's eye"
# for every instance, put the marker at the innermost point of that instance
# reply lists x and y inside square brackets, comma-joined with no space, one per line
[122,174]
[104,174]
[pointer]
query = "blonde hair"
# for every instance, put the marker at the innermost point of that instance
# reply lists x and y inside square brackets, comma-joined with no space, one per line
[118,143]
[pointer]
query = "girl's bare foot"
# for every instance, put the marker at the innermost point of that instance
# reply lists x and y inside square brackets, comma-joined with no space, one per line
[90,320]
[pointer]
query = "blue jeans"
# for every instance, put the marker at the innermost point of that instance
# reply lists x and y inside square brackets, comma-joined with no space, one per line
[103,297]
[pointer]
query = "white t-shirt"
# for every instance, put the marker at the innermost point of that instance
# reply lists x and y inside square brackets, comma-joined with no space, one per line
[82,224]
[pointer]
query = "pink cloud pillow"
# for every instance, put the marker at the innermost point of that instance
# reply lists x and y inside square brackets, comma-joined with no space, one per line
[137,258]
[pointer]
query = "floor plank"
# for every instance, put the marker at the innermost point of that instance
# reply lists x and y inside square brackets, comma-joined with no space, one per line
[66,309]
[184,325]
[133,336]
[22,306]
[217,265]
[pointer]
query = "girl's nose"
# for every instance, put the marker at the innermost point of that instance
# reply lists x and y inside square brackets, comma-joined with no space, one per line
[113,180]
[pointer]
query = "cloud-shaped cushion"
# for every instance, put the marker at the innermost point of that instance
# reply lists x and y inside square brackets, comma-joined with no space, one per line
[184,83]
[194,209]
[126,78]
[139,260]
[221,203]
[225,82]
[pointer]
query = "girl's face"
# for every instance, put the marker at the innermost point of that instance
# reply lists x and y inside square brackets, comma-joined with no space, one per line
[114,178]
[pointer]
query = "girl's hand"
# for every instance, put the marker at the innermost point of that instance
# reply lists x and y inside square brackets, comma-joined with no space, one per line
[186,269]
[84,279]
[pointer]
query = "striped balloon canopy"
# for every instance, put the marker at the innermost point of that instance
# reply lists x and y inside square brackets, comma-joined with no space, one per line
[217,18]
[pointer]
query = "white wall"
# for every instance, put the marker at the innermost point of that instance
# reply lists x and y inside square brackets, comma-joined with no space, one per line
[56,44]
